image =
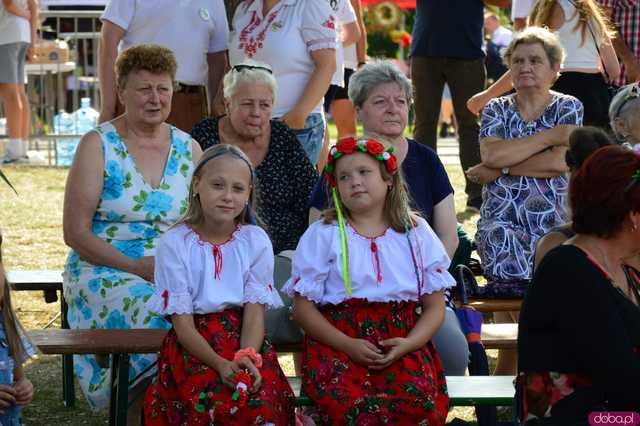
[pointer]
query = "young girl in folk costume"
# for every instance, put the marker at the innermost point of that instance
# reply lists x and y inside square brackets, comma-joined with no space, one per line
[15,348]
[214,275]
[358,278]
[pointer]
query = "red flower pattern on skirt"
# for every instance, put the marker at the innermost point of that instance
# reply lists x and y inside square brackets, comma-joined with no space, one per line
[186,390]
[412,390]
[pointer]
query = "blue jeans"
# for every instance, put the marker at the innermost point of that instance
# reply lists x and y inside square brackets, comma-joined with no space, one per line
[311,136]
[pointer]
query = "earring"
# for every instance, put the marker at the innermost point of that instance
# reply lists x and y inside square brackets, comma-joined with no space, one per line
[634,227]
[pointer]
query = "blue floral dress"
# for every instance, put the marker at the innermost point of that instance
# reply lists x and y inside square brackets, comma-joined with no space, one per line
[517,210]
[131,216]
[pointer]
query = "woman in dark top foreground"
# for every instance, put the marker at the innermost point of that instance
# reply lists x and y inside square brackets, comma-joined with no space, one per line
[579,328]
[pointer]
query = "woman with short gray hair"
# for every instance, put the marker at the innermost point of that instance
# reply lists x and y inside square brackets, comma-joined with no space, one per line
[382,94]
[624,113]
[284,173]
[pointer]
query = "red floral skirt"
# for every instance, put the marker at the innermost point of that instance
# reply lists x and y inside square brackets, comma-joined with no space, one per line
[186,390]
[411,391]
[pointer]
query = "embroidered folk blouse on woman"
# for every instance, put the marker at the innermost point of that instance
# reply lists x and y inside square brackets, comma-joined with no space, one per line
[196,277]
[284,39]
[381,268]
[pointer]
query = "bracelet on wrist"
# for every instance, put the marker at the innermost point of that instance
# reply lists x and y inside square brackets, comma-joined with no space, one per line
[250,353]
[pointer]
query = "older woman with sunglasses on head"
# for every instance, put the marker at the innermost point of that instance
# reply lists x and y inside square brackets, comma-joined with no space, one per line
[624,114]
[284,174]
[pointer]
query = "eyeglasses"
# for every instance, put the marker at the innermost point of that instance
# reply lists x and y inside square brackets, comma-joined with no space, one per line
[632,93]
[238,68]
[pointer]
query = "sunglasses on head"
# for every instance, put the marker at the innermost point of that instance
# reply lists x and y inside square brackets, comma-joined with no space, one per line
[238,68]
[632,93]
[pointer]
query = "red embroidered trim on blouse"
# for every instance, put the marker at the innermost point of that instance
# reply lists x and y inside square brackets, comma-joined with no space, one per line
[251,44]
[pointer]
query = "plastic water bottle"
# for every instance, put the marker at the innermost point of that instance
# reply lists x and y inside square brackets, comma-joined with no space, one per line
[64,124]
[86,118]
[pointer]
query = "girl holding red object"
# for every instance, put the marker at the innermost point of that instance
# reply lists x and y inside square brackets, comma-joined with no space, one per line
[214,277]
[359,278]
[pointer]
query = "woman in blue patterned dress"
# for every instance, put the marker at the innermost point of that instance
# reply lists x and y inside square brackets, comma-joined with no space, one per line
[128,183]
[523,141]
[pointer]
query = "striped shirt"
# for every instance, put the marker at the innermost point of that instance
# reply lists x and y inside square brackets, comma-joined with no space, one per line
[626,18]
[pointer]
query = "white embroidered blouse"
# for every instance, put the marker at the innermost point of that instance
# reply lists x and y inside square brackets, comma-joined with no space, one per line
[196,277]
[283,39]
[382,268]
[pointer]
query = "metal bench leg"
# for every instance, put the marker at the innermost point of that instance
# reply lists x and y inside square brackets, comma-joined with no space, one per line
[119,390]
[68,390]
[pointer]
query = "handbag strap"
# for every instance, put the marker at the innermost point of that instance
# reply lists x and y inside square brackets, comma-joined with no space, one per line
[595,41]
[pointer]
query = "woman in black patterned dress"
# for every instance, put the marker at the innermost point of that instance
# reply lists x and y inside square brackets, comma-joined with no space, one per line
[285,175]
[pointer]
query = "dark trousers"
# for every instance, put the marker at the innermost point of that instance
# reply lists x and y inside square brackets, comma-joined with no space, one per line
[187,108]
[465,79]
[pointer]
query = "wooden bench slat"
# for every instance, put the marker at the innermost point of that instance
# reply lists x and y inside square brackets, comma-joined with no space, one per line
[100,341]
[495,305]
[35,280]
[463,390]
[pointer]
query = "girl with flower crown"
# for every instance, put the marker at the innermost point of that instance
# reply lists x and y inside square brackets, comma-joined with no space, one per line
[369,283]
[214,277]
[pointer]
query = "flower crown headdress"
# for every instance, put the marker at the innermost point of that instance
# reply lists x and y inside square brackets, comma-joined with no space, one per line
[347,146]
[372,147]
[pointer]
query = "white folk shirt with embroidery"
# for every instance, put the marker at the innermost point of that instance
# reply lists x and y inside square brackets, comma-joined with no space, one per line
[284,39]
[317,265]
[190,28]
[345,14]
[196,277]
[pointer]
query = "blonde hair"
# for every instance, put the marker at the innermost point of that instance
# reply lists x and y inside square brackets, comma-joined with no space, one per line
[531,35]
[397,208]
[588,11]
[12,326]
[145,57]
[195,213]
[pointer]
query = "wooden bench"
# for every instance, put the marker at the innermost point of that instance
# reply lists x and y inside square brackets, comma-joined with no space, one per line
[120,344]
[50,283]
[495,305]
[464,391]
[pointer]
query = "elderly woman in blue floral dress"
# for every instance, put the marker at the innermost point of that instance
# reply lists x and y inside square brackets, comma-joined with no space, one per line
[523,141]
[128,183]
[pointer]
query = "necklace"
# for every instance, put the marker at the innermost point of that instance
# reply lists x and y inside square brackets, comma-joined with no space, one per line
[626,290]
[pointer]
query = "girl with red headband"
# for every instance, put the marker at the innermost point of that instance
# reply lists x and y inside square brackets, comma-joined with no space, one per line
[214,277]
[359,278]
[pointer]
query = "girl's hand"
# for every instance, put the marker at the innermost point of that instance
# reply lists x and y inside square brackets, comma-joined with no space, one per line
[245,362]
[7,397]
[227,369]
[363,352]
[400,346]
[24,391]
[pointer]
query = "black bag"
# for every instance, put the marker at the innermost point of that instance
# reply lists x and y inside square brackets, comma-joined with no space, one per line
[279,326]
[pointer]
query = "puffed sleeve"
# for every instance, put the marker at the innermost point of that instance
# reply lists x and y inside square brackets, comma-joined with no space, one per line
[173,294]
[311,263]
[258,285]
[570,111]
[119,12]
[318,25]
[435,261]
[492,123]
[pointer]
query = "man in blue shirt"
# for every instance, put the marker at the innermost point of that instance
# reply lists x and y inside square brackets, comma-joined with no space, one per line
[447,47]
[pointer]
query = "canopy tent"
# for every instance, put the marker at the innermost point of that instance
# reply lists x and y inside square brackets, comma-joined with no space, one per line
[403,4]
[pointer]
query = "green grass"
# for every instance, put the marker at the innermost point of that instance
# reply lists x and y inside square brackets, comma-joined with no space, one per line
[32,232]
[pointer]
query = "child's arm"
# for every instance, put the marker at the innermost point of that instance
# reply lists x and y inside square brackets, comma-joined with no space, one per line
[426,327]
[198,347]
[252,337]
[33,10]
[315,325]
[14,9]
[23,387]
